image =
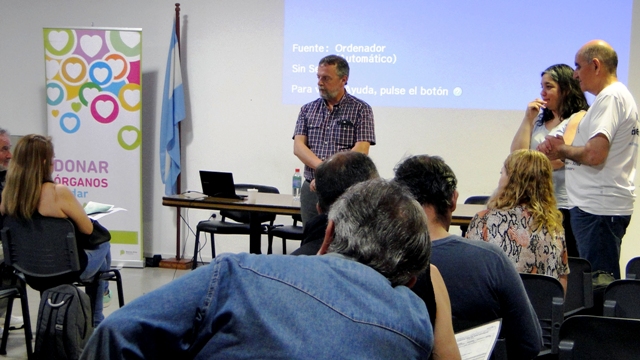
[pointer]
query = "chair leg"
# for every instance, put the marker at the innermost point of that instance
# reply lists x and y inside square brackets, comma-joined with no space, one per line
[7,323]
[118,281]
[269,244]
[284,246]
[213,247]
[194,265]
[28,335]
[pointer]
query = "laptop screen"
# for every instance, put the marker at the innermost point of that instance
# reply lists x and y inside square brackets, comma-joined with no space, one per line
[218,184]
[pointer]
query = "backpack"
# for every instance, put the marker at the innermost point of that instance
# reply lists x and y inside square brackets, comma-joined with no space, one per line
[65,323]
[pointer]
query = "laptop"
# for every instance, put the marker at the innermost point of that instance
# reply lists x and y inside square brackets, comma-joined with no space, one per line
[219,184]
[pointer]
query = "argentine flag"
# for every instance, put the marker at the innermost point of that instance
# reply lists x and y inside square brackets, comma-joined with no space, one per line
[173,111]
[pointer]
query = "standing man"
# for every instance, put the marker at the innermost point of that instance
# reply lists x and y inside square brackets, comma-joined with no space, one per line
[601,162]
[335,122]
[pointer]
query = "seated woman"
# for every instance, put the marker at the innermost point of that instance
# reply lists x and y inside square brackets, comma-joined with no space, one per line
[522,217]
[562,107]
[30,192]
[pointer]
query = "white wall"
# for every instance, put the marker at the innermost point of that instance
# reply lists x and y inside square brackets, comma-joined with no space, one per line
[232,55]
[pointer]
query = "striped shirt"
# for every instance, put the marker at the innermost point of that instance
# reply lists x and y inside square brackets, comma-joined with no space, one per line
[329,132]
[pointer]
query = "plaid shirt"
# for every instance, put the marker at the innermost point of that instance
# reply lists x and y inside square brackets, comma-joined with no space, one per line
[329,132]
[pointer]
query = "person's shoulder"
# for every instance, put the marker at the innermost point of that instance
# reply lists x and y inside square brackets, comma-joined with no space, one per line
[61,191]
[352,99]
[313,104]
[477,247]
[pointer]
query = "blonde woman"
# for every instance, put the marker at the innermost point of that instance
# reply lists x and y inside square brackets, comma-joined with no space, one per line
[522,217]
[30,192]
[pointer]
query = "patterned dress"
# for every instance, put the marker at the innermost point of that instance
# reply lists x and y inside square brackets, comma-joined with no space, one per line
[538,252]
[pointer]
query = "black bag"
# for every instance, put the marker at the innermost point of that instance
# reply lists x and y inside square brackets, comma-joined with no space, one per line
[65,323]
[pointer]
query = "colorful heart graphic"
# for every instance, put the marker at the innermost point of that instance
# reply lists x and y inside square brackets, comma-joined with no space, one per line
[55,93]
[130,38]
[129,97]
[73,70]
[91,44]
[55,113]
[58,39]
[52,68]
[69,123]
[76,106]
[100,73]
[129,137]
[59,42]
[88,92]
[104,108]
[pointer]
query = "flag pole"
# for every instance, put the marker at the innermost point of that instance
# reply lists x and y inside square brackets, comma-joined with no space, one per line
[177,113]
[178,181]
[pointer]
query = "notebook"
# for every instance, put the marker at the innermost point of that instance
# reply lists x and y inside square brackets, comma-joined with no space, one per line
[219,184]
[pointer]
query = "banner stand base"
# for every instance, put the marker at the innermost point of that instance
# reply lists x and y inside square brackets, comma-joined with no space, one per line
[173,263]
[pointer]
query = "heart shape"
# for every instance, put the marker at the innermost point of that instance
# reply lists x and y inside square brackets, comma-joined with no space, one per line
[104,108]
[132,97]
[74,70]
[90,93]
[91,44]
[76,106]
[52,68]
[69,122]
[117,65]
[53,93]
[100,74]
[129,137]
[58,39]
[130,38]
[55,113]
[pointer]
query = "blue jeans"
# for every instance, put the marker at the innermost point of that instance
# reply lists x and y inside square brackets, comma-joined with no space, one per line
[99,259]
[599,238]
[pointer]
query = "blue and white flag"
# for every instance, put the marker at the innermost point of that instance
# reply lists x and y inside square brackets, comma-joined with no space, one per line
[173,111]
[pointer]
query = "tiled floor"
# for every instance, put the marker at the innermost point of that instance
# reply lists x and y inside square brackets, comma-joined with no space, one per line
[136,282]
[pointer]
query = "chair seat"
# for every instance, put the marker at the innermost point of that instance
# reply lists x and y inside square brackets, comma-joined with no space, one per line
[224,227]
[288,232]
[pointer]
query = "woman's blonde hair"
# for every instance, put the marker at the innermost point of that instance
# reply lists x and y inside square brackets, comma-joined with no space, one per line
[29,168]
[530,183]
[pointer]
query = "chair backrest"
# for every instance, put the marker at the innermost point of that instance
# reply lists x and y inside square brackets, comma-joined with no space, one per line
[477,200]
[622,299]
[579,287]
[588,337]
[474,200]
[547,298]
[43,248]
[244,216]
[633,268]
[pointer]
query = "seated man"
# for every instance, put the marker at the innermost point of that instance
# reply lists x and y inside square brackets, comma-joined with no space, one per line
[333,177]
[482,282]
[350,302]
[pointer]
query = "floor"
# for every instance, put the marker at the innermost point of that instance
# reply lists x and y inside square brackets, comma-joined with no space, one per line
[136,282]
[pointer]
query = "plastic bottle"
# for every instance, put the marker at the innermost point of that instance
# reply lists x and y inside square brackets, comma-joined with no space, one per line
[296,184]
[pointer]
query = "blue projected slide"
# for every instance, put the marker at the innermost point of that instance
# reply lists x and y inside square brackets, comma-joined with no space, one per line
[445,54]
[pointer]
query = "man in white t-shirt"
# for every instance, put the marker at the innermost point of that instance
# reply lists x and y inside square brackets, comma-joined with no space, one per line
[601,162]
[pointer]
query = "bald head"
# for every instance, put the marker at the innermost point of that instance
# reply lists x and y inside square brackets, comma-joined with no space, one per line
[603,52]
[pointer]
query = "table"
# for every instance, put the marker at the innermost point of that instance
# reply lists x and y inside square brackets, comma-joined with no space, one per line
[281,204]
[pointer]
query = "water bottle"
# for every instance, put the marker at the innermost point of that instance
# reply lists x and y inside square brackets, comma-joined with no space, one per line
[297,184]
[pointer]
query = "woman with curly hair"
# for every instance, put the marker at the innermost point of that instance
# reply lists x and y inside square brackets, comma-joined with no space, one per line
[522,217]
[561,105]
